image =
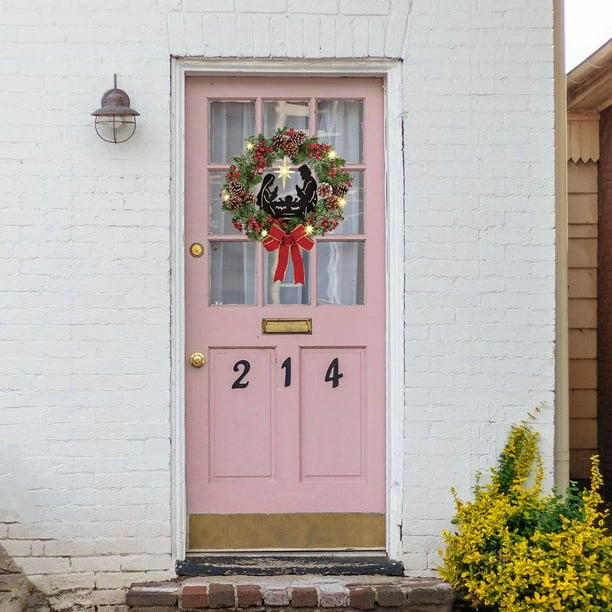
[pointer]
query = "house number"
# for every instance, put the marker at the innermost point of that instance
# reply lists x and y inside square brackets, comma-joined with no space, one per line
[246,366]
[286,365]
[332,375]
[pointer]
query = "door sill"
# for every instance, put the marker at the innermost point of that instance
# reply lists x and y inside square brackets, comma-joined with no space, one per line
[323,563]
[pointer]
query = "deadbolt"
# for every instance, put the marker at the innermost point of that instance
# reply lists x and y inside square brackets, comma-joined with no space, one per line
[197,360]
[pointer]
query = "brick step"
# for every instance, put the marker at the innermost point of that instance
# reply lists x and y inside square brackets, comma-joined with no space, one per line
[285,593]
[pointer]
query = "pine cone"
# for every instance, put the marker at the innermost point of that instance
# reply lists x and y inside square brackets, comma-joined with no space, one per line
[236,189]
[341,189]
[249,197]
[289,148]
[298,137]
[333,202]
[277,140]
[324,190]
[233,203]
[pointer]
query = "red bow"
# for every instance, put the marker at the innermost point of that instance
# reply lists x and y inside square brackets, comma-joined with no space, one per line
[285,242]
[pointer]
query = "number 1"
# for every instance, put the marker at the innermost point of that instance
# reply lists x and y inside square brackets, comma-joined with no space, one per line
[286,365]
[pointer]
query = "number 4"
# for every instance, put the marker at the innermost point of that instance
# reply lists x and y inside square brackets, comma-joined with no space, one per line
[333,374]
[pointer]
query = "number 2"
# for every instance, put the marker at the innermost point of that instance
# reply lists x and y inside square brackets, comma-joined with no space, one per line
[246,366]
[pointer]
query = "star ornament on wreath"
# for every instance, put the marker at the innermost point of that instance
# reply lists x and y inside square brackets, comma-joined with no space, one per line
[286,222]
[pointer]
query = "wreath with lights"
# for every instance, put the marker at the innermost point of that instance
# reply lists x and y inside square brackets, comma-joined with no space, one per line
[285,222]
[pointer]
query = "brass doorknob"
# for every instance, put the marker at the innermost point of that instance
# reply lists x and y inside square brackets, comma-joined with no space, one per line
[197,360]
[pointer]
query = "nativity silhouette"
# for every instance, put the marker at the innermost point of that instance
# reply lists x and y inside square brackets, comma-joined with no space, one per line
[285,207]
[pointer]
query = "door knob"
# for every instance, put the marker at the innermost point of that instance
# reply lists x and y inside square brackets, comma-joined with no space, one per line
[197,360]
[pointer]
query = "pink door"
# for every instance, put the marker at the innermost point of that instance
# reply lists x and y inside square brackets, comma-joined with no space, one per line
[285,431]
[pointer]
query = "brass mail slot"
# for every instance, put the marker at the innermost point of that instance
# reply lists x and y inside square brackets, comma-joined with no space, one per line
[286,326]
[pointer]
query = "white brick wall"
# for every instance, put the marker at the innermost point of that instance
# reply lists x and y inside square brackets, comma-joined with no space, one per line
[480,275]
[85,479]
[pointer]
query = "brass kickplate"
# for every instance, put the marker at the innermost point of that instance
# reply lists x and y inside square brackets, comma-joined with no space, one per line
[314,530]
[286,326]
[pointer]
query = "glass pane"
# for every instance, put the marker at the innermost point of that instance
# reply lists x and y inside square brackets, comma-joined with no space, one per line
[231,123]
[278,114]
[340,272]
[286,292]
[232,273]
[220,220]
[340,123]
[353,211]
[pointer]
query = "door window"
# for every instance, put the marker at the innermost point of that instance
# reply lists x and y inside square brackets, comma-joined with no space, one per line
[335,272]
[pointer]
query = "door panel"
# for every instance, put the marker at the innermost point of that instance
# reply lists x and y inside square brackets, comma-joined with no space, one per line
[329,405]
[241,413]
[285,430]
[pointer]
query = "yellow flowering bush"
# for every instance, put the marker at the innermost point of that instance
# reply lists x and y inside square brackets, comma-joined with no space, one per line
[517,549]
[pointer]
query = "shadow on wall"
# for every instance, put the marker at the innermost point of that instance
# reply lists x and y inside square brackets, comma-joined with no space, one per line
[17,593]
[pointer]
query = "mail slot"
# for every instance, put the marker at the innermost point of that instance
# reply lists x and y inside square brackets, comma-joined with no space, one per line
[286,326]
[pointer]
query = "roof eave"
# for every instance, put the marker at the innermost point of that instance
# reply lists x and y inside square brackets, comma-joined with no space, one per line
[589,85]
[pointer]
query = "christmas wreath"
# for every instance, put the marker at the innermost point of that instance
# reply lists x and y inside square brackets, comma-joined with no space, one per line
[286,222]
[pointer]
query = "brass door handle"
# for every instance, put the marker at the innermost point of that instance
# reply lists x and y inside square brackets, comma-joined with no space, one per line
[197,360]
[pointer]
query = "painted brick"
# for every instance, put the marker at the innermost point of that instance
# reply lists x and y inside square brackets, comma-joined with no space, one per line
[122,580]
[365,7]
[85,245]
[209,6]
[318,7]
[261,6]
[276,596]
[333,596]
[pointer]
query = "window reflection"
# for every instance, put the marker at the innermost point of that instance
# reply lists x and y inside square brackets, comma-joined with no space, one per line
[340,122]
[220,220]
[232,273]
[340,273]
[353,212]
[231,123]
[279,113]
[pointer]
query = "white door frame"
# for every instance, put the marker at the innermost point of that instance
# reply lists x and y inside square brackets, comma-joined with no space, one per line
[390,71]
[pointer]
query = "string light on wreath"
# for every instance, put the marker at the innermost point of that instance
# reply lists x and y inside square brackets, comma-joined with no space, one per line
[286,221]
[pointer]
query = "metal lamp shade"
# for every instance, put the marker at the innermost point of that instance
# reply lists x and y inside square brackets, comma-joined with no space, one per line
[115,120]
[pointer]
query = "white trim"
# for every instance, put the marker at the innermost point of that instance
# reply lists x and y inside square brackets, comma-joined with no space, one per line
[177,312]
[391,71]
[562,414]
[395,241]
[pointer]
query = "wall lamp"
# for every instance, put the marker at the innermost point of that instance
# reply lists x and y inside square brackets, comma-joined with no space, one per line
[115,120]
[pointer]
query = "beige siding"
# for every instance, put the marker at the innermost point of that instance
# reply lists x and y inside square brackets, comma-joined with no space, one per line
[583,137]
[582,277]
